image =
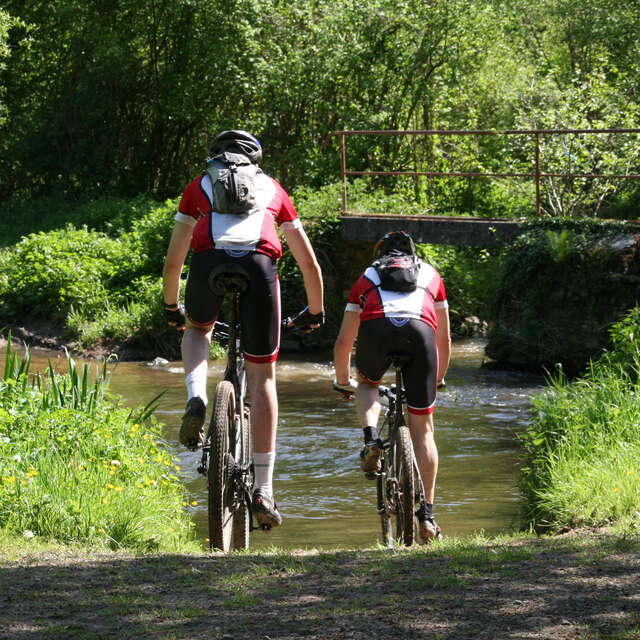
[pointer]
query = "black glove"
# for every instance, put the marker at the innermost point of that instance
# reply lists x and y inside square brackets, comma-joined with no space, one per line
[304,320]
[174,313]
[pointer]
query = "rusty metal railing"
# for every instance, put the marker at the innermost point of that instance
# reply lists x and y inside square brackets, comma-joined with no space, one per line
[537,174]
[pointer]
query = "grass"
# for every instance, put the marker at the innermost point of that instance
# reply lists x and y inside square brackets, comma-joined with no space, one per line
[78,468]
[583,445]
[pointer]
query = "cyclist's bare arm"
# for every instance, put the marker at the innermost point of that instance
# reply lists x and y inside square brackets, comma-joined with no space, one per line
[306,258]
[176,255]
[443,342]
[344,345]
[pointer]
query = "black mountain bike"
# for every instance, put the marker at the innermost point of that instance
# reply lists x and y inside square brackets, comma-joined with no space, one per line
[226,453]
[399,486]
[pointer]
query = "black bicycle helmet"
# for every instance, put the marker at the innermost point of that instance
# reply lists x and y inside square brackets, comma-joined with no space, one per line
[394,241]
[237,141]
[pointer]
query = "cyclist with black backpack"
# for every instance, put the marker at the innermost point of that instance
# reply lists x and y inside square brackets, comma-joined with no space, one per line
[397,306]
[230,216]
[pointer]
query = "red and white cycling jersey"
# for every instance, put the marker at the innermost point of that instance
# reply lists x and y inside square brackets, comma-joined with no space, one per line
[367,298]
[254,231]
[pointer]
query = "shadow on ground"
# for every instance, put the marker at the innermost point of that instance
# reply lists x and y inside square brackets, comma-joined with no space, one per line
[563,588]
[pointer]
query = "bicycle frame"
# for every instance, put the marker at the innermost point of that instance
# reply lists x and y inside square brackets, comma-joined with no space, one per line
[239,474]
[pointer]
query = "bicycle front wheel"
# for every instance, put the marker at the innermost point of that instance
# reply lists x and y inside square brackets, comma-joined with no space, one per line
[220,493]
[405,500]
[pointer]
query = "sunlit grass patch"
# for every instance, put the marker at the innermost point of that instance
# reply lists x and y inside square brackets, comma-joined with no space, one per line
[584,444]
[77,467]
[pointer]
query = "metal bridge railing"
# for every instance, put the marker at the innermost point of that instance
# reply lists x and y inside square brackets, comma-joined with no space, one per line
[536,174]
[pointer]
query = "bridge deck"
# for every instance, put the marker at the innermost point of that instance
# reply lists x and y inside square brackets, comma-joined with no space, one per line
[479,232]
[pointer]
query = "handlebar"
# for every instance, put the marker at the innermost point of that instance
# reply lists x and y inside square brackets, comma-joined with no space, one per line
[387,392]
[221,329]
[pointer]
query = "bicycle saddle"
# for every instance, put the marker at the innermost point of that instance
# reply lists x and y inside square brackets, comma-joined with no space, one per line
[228,277]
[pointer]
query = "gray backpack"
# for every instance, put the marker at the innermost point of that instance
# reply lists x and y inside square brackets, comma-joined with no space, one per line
[233,179]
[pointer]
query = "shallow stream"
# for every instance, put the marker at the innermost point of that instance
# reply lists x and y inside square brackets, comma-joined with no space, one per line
[324,498]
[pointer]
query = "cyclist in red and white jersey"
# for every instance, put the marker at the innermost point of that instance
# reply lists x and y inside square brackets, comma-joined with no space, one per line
[248,242]
[414,323]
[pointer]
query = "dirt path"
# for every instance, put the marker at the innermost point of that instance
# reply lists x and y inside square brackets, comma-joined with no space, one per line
[573,587]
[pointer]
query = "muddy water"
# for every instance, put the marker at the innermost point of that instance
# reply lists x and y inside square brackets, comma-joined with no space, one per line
[324,499]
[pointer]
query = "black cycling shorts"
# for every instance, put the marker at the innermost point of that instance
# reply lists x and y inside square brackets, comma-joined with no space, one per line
[259,303]
[414,339]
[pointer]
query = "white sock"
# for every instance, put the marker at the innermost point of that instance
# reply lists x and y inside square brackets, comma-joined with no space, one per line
[263,464]
[196,382]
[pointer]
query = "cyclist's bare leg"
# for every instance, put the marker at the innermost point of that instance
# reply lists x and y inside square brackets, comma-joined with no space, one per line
[368,407]
[261,383]
[425,450]
[195,357]
[195,348]
[367,403]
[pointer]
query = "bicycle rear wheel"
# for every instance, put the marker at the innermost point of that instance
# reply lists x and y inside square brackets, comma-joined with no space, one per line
[242,515]
[384,508]
[221,438]
[405,499]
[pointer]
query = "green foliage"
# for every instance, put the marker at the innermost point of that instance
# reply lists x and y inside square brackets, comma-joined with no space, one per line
[137,321]
[111,215]
[470,278]
[6,22]
[148,239]
[101,286]
[625,346]
[563,283]
[47,274]
[117,101]
[582,445]
[77,467]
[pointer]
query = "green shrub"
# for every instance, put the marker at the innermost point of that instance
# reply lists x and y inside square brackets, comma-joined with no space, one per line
[48,273]
[111,215]
[100,288]
[470,276]
[136,319]
[148,239]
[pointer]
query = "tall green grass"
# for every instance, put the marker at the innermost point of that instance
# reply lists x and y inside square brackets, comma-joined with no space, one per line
[77,467]
[583,445]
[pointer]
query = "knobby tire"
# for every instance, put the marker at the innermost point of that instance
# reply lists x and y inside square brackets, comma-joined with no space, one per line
[242,515]
[221,432]
[383,508]
[405,519]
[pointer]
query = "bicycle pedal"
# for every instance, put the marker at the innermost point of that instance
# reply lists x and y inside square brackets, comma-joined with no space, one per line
[370,475]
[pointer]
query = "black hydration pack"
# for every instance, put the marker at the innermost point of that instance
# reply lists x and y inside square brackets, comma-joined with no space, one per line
[398,271]
[233,177]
